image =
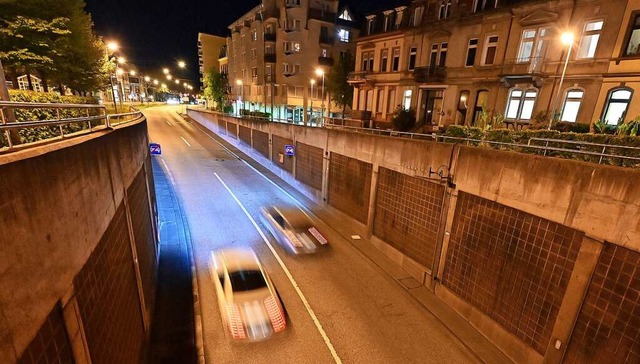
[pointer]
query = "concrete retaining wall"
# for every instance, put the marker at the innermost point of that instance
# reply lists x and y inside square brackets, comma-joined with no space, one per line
[56,204]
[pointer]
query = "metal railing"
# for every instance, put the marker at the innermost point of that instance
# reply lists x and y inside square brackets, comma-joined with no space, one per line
[68,120]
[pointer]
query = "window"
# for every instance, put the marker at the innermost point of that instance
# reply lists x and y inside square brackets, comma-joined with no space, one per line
[344,16]
[344,35]
[617,104]
[590,37]
[433,60]
[412,58]
[417,15]
[324,53]
[370,25]
[480,5]
[438,54]
[533,45]
[384,60]
[445,9]
[254,35]
[391,100]
[632,47]
[268,49]
[286,69]
[406,100]
[343,54]
[520,104]
[472,47]
[395,63]
[572,101]
[380,101]
[253,53]
[399,15]
[443,54]
[254,72]
[387,20]
[490,49]
[293,2]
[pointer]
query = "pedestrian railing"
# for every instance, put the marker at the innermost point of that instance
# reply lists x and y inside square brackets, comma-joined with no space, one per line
[25,123]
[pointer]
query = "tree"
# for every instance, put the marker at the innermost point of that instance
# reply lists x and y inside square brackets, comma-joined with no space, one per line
[403,119]
[216,88]
[341,91]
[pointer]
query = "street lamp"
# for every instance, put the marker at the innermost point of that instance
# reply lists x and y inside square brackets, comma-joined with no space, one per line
[567,39]
[320,72]
[132,73]
[313,82]
[165,71]
[177,81]
[169,77]
[122,60]
[182,64]
[239,83]
[113,47]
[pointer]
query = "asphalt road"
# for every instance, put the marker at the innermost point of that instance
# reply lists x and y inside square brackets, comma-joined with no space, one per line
[341,306]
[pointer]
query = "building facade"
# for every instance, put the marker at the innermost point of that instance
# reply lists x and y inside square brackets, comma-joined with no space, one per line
[275,50]
[209,47]
[457,62]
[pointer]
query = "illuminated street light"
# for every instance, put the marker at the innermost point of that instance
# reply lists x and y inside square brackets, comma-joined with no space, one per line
[169,77]
[177,82]
[113,46]
[155,82]
[567,39]
[182,64]
[121,60]
[120,71]
[165,71]
[147,79]
[239,83]
[320,72]
[132,73]
[164,85]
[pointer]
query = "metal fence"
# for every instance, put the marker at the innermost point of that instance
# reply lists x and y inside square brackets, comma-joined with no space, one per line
[46,121]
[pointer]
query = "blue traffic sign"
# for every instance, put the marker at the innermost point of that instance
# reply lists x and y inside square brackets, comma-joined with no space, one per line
[289,150]
[155,148]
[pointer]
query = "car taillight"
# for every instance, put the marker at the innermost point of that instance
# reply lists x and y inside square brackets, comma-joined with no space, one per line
[236,327]
[276,315]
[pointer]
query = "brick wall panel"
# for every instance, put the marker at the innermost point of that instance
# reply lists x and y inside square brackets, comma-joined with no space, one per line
[608,326]
[350,186]
[511,265]
[245,135]
[108,300]
[408,213]
[309,165]
[232,130]
[278,143]
[143,233]
[261,142]
[51,344]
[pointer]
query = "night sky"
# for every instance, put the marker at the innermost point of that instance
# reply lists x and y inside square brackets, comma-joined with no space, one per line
[157,33]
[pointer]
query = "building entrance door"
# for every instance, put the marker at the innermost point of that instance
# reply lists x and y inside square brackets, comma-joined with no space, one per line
[430,106]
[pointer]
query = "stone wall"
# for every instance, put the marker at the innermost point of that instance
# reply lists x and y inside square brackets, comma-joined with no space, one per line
[539,254]
[79,247]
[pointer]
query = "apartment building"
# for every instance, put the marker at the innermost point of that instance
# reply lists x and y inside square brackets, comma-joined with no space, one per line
[449,60]
[209,48]
[275,49]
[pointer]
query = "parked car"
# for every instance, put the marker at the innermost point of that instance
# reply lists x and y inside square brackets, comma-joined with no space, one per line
[293,229]
[249,304]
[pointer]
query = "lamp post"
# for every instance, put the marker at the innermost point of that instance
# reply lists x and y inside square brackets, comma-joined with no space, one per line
[313,82]
[239,83]
[112,46]
[320,72]
[566,39]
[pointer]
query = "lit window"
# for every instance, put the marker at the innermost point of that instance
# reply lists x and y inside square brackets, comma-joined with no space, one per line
[520,104]
[632,45]
[617,104]
[571,106]
[533,45]
[406,102]
[345,15]
[590,37]
[344,35]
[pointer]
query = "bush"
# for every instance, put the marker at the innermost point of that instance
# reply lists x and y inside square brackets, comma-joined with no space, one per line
[45,132]
[567,127]
[404,119]
[255,114]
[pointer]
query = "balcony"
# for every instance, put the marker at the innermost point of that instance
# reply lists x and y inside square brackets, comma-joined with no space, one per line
[270,57]
[322,15]
[524,70]
[325,61]
[359,78]
[430,74]
[269,37]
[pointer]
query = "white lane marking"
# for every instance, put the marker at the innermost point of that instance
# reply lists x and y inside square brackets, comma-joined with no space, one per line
[326,339]
[166,167]
[168,122]
[185,141]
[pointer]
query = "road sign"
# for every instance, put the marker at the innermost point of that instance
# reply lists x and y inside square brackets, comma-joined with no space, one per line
[289,150]
[155,148]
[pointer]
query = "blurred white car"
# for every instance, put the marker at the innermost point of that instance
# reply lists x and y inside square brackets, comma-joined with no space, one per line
[249,304]
[293,229]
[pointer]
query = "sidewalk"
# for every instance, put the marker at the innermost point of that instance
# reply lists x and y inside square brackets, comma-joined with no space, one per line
[172,331]
[468,336]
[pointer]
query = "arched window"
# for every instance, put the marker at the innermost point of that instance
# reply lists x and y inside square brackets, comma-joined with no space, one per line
[520,104]
[572,100]
[617,104]
[481,99]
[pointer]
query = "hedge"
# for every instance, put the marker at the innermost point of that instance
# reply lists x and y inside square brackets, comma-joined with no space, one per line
[40,133]
[518,140]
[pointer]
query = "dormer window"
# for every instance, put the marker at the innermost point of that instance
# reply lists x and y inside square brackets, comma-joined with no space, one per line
[371,22]
[387,20]
[399,14]
[417,15]
[345,15]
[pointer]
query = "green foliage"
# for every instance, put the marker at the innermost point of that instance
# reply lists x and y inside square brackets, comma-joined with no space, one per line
[216,88]
[567,127]
[600,126]
[488,119]
[254,114]
[404,119]
[40,133]
[336,82]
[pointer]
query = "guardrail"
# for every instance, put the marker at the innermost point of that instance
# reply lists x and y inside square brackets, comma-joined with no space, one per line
[67,121]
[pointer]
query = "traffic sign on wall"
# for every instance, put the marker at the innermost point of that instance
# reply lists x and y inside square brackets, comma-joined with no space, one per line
[155,148]
[289,150]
